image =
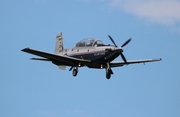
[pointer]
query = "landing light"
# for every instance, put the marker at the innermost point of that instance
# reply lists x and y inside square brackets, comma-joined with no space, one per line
[101,66]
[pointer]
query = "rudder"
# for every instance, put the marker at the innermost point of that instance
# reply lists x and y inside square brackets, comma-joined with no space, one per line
[59,44]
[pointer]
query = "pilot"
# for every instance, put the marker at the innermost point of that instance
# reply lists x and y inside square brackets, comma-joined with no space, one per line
[95,44]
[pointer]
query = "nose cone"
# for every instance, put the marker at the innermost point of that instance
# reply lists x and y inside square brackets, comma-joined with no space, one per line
[119,49]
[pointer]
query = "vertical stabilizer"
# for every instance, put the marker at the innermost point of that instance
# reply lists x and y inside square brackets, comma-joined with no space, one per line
[59,44]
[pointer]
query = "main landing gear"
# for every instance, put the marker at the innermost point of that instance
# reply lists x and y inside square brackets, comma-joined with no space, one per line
[75,71]
[108,71]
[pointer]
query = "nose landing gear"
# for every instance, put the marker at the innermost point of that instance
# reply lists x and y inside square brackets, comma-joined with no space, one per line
[108,74]
[108,71]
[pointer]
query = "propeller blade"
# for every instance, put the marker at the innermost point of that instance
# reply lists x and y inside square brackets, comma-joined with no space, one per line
[123,57]
[126,42]
[112,40]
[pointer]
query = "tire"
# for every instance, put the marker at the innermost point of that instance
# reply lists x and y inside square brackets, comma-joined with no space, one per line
[108,75]
[74,72]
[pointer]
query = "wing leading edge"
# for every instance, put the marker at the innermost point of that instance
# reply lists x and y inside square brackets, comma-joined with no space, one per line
[61,60]
[121,63]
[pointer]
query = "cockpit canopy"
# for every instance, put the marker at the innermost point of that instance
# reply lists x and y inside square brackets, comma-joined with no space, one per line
[89,42]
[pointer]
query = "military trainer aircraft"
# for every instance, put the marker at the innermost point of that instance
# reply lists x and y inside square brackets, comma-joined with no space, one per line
[88,52]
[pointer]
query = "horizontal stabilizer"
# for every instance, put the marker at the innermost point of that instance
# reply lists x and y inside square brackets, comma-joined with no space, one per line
[41,59]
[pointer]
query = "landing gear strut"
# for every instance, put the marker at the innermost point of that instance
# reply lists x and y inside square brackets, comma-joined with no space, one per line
[75,71]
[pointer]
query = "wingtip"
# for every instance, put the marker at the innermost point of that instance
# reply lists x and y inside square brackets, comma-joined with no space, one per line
[25,49]
[159,59]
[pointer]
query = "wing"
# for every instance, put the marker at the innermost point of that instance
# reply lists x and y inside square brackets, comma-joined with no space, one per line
[121,63]
[57,59]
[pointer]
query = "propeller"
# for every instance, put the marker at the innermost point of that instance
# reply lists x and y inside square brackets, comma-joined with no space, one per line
[122,55]
[112,40]
[126,42]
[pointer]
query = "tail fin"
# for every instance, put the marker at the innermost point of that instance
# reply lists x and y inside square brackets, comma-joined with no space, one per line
[59,44]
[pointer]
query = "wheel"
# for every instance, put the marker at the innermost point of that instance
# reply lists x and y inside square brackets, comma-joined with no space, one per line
[74,72]
[108,74]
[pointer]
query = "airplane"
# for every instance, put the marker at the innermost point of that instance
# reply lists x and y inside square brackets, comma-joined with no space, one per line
[88,52]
